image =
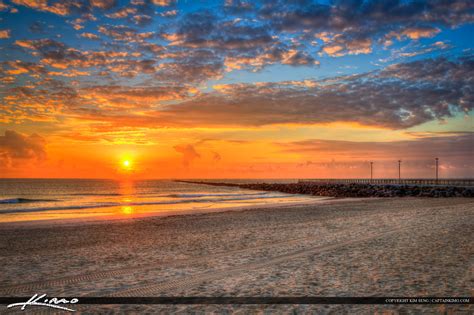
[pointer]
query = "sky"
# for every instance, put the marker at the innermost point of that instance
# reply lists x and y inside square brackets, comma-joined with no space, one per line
[236,89]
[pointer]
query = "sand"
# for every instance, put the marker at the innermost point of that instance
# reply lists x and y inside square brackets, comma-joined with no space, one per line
[376,247]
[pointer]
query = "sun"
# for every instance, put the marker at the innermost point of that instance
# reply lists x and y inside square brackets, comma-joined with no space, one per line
[126,164]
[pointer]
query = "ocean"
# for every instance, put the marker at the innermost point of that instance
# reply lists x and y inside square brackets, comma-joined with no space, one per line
[52,199]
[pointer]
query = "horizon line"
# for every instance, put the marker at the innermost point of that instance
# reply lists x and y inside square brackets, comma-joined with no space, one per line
[245,178]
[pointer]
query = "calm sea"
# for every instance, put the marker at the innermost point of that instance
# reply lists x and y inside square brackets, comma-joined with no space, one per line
[45,199]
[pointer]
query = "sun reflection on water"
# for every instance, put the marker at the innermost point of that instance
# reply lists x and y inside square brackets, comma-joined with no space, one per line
[127,190]
[127,210]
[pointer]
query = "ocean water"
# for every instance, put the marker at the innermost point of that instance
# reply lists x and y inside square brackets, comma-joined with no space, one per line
[47,199]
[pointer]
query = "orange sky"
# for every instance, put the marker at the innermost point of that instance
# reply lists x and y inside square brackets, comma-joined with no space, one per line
[239,153]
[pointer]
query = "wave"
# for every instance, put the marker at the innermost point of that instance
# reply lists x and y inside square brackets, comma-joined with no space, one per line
[191,195]
[117,204]
[25,200]
[96,194]
[214,195]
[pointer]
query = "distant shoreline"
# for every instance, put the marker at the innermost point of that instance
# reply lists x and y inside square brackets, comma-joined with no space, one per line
[353,190]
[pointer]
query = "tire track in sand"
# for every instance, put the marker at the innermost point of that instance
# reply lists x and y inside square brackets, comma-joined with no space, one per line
[100,275]
[188,282]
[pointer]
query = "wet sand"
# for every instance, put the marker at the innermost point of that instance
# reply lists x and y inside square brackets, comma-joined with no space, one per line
[375,247]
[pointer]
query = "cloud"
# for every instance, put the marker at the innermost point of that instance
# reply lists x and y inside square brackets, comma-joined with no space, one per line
[416,32]
[3,6]
[42,45]
[205,29]
[352,27]
[4,34]
[60,56]
[89,36]
[234,43]
[352,158]
[142,20]
[216,157]
[429,146]
[16,146]
[396,97]
[188,152]
[124,33]
[203,45]
[169,13]
[140,97]
[400,96]
[103,4]
[238,6]
[38,27]
[340,46]
[122,13]
[410,50]
[163,3]
[59,7]
[151,78]
[20,67]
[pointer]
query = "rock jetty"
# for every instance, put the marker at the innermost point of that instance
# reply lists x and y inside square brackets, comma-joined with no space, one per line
[353,189]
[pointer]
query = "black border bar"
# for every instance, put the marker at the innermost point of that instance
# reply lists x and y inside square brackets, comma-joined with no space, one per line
[253,300]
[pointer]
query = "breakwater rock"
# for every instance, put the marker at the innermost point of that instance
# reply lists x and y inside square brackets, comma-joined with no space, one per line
[353,189]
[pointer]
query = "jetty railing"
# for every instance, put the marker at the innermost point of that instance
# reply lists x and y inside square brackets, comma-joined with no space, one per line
[393,181]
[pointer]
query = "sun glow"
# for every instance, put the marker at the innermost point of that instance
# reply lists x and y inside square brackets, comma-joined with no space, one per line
[127,210]
[126,163]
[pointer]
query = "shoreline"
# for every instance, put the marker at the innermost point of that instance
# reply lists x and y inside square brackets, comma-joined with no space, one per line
[106,219]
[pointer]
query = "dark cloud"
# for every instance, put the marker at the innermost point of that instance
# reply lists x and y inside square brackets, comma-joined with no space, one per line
[235,43]
[216,157]
[457,145]
[60,56]
[124,33]
[360,23]
[401,96]
[205,29]
[189,153]
[38,27]
[14,146]
[197,66]
[140,97]
[238,6]
[453,149]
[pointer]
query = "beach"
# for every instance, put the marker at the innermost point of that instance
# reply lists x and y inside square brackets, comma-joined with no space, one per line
[366,247]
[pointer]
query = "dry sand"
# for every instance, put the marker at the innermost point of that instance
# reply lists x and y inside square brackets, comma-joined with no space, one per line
[389,247]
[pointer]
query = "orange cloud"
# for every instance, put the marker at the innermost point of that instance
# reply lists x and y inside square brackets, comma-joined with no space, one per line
[4,34]
[60,7]
[89,36]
